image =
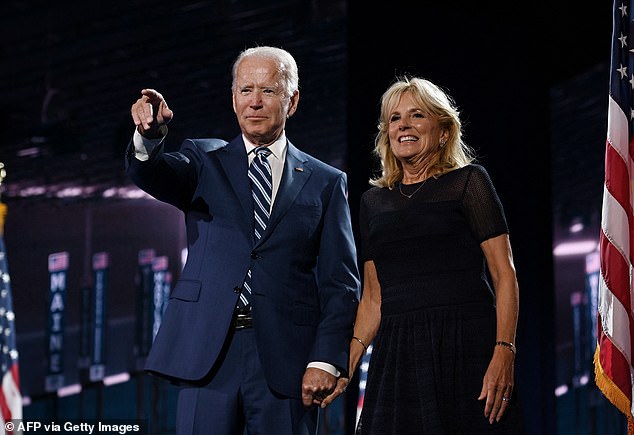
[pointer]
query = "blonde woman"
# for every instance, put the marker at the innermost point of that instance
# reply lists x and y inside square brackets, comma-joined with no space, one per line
[443,334]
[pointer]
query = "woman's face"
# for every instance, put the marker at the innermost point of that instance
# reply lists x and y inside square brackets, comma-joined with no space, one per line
[413,134]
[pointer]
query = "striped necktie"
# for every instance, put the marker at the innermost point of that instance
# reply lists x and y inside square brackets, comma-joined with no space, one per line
[261,189]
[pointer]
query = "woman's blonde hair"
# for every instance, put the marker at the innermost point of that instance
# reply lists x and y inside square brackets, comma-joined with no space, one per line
[435,102]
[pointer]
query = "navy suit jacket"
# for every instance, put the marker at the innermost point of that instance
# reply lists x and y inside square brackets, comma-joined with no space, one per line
[305,279]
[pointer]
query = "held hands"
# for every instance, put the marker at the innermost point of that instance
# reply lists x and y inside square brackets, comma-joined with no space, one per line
[497,385]
[340,388]
[150,113]
[317,384]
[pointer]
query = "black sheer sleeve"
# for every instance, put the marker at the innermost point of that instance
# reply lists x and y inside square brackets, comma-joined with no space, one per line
[364,230]
[482,206]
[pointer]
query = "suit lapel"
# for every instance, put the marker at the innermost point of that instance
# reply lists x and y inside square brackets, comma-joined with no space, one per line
[233,159]
[294,176]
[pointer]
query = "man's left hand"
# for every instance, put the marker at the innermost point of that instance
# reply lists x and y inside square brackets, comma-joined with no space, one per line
[317,384]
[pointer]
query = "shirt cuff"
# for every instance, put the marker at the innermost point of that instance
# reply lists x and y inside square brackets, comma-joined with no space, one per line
[143,146]
[326,367]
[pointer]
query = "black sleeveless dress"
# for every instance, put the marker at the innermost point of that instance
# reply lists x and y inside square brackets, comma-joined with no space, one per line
[438,321]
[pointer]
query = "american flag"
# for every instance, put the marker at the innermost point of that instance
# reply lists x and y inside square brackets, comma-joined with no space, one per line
[10,396]
[363,379]
[615,325]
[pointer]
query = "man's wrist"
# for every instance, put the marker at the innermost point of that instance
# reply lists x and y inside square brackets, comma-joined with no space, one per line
[153,134]
[144,146]
[326,367]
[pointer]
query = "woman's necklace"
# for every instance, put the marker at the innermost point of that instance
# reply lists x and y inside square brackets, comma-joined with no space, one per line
[400,189]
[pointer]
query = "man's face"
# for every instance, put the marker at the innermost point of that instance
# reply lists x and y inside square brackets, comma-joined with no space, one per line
[260,101]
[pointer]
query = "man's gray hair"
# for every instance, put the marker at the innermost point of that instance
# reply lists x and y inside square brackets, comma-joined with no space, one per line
[286,63]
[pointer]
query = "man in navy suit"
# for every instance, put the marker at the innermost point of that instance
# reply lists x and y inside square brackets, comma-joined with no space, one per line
[258,326]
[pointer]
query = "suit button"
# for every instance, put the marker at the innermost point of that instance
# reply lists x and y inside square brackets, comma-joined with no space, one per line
[254,255]
[237,289]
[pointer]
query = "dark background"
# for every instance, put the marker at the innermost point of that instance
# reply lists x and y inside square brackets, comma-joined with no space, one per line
[530,81]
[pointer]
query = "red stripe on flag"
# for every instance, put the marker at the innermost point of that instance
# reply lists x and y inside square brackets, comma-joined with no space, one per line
[617,179]
[617,182]
[615,366]
[610,368]
[4,408]
[4,405]
[616,272]
[615,175]
[15,372]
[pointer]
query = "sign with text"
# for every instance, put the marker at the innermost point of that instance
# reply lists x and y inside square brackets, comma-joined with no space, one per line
[100,263]
[58,269]
[162,283]
[145,289]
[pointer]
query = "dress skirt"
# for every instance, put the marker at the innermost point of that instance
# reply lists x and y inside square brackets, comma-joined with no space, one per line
[426,371]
